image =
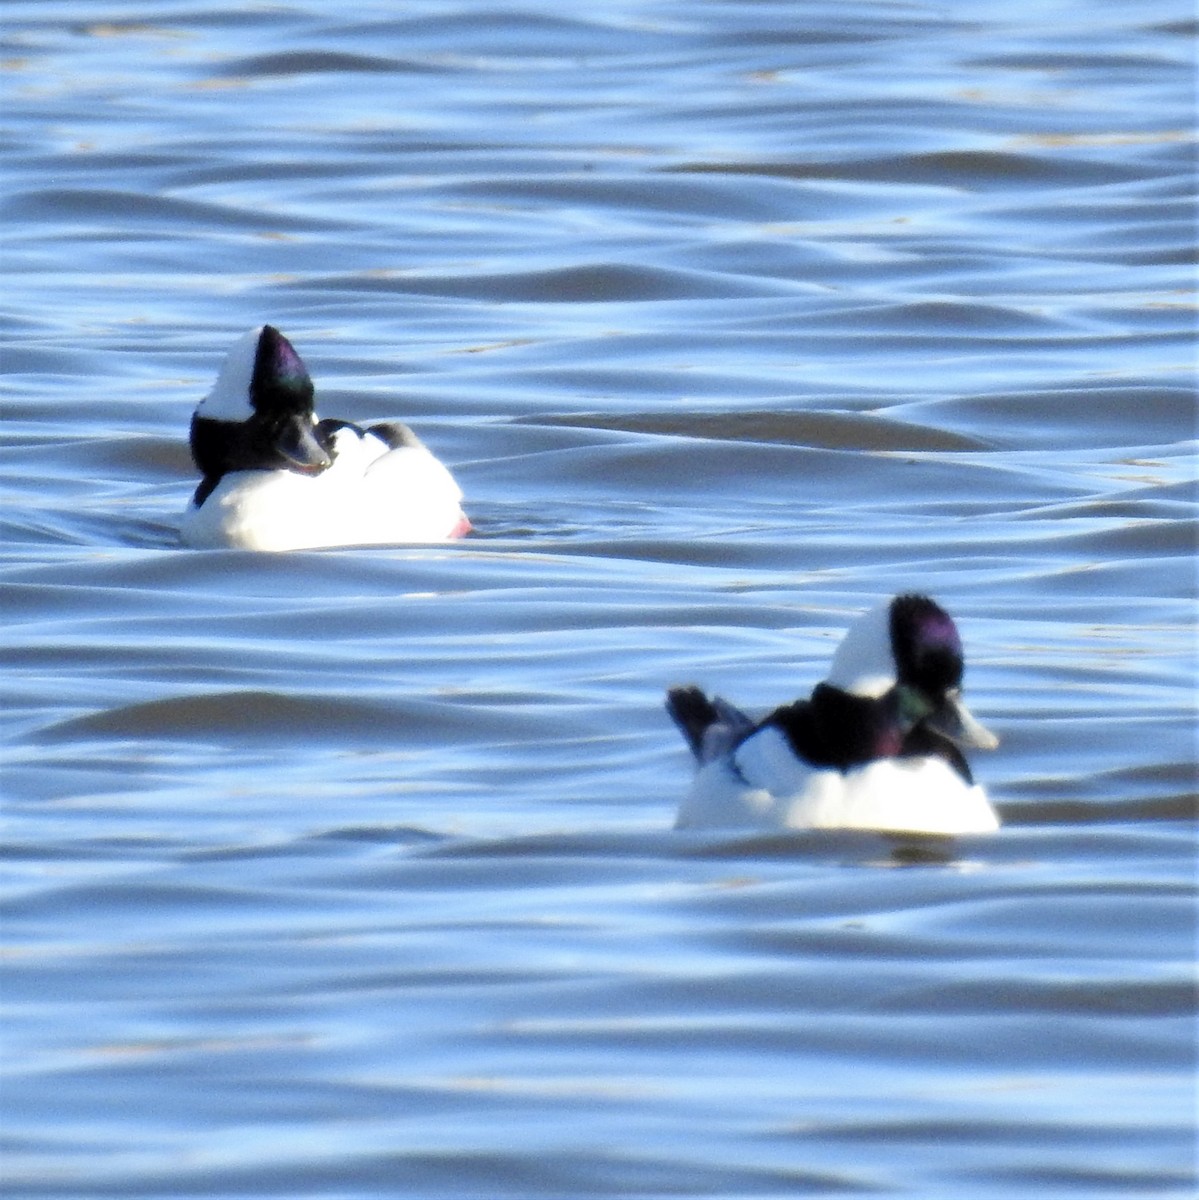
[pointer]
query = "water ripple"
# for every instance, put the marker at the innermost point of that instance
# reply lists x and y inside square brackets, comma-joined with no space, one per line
[353,872]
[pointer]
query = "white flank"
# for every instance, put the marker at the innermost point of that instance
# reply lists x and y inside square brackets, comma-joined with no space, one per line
[370,496]
[766,787]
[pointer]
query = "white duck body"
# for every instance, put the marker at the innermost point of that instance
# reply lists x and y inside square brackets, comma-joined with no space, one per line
[276,478]
[763,786]
[372,494]
[892,693]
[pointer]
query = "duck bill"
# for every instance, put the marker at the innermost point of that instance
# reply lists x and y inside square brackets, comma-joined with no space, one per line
[297,444]
[955,721]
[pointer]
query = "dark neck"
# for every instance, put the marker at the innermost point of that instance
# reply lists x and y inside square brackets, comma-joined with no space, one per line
[922,742]
[838,729]
[219,447]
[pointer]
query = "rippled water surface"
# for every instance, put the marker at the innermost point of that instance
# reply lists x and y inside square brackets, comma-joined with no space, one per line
[350,874]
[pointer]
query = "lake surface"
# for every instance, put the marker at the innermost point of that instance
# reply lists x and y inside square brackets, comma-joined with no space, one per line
[351,874]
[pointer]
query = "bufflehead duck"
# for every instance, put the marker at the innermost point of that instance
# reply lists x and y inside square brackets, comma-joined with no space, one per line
[276,478]
[876,746]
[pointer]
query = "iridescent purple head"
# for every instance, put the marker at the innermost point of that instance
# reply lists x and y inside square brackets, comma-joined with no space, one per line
[925,645]
[262,374]
[928,658]
[280,382]
[259,414]
[908,648]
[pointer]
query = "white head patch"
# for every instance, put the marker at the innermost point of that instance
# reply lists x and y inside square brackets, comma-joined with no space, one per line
[864,663]
[229,399]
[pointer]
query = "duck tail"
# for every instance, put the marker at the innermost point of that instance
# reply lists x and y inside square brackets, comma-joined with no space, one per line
[711,727]
[692,712]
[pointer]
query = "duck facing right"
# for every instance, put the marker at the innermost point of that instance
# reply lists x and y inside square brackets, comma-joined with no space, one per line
[878,745]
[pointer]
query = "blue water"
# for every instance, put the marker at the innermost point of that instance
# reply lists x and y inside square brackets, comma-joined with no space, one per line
[350,874]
